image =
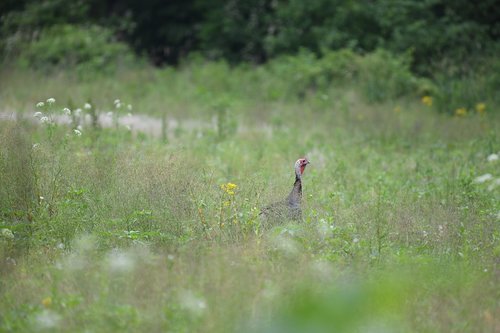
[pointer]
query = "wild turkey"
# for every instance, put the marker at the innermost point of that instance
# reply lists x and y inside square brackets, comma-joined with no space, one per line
[290,207]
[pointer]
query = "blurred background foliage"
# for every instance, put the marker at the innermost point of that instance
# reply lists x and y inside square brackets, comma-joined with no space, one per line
[258,30]
[446,48]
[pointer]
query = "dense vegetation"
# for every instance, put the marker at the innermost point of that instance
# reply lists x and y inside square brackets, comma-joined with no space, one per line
[257,30]
[130,193]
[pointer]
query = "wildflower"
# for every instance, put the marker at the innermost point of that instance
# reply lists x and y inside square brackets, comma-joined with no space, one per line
[129,107]
[492,158]
[79,127]
[77,132]
[47,319]
[117,101]
[35,146]
[42,198]
[120,261]
[460,112]
[44,120]
[11,261]
[7,233]
[87,106]
[51,100]
[47,302]
[494,184]
[397,109]
[78,112]
[427,100]
[170,257]
[229,188]
[189,301]
[118,105]
[67,111]
[483,178]
[40,104]
[109,114]
[480,108]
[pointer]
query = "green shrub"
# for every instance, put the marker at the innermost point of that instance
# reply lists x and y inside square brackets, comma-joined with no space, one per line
[86,49]
[384,76]
[479,84]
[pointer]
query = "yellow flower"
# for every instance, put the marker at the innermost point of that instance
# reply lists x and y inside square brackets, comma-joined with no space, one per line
[480,108]
[427,100]
[229,188]
[47,302]
[460,112]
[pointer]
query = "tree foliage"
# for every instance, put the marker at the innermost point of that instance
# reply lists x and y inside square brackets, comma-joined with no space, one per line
[258,30]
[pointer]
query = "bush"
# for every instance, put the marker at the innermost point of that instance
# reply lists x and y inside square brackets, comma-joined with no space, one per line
[86,49]
[384,76]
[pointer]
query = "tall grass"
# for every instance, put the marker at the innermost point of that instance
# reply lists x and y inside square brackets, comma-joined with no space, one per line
[116,231]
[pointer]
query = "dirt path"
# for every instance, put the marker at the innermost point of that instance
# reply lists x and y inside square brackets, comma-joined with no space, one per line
[136,123]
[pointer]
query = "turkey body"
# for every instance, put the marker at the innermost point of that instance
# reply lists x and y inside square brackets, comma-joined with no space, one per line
[290,207]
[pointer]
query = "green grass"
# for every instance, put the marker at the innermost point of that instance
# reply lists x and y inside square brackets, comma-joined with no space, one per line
[113,231]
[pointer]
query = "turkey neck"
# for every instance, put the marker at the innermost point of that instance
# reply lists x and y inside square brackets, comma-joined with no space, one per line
[296,194]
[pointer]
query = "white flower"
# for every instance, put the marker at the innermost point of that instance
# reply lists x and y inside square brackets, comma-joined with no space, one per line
[78,112]
[483,178]
[44,120]
[129,106]
[42,198]
[492,157]
[79,127]
[7,233]
[38,114]
[51,100]
[189,301]
[36,145]
[128,127]
[170,257]
[47,319]
[87,106]
[67,111]
[109,114]
[11,261]
[117,101]
[120,261]
[494,184]
[40,104]
[77,132]
[118,105]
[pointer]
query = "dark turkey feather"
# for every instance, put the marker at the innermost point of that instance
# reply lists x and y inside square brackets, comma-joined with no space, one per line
[289,208]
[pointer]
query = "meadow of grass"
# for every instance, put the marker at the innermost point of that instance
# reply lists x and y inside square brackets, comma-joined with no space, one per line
[103,229]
